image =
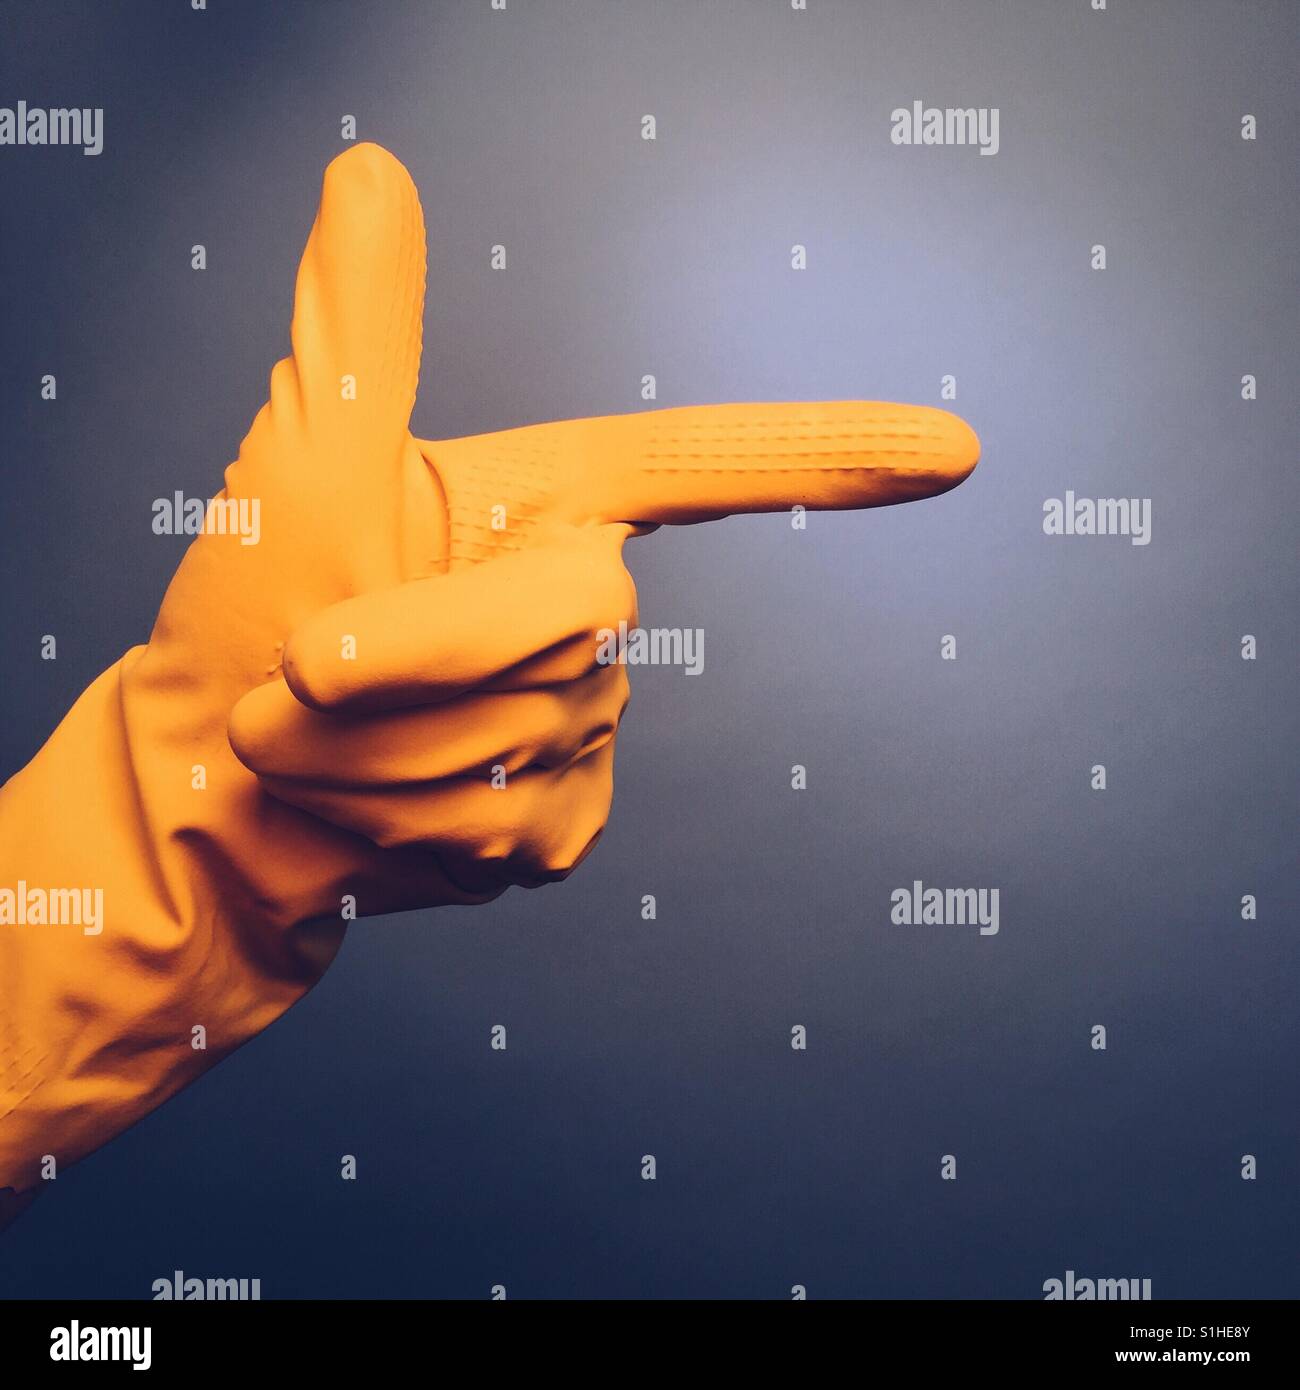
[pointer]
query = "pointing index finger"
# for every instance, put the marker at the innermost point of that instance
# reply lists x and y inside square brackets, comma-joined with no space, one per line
[698,463]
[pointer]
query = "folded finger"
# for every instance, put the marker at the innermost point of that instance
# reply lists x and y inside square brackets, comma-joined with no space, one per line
[275,735]
[530,615]
[535,827]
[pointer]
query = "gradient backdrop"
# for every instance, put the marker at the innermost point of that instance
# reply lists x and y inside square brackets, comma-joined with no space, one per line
[627,257]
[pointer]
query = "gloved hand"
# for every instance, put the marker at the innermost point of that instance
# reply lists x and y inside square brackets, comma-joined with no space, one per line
[310,732]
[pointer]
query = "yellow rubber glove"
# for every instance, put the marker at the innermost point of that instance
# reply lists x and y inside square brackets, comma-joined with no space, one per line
[311,731]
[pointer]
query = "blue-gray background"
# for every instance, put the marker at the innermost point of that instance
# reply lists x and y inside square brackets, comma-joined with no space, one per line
[822,647]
